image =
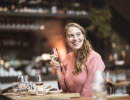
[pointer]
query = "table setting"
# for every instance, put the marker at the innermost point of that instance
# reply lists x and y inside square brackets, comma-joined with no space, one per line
[27,90]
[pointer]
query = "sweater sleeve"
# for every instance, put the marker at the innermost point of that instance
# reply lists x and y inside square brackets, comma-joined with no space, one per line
[95,64]
[61,81]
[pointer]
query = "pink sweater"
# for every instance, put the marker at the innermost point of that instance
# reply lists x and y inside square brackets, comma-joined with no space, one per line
[82,82]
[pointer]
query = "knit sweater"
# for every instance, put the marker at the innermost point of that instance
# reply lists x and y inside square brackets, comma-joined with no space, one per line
[82,82]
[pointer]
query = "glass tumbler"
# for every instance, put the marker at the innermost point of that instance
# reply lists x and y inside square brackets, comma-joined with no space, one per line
[39,86]
[99,88]
[23,84]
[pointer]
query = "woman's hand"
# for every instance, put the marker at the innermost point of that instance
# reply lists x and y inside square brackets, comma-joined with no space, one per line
[55,64]
[54,60]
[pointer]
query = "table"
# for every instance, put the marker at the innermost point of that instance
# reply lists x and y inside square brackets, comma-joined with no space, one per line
[70,96]
[48,96]
[109,98]
[119,84]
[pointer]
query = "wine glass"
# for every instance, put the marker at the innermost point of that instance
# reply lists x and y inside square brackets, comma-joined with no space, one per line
[39,79]
[54,54]
[54,58]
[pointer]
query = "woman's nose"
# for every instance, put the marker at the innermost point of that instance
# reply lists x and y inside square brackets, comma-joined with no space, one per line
[75,37]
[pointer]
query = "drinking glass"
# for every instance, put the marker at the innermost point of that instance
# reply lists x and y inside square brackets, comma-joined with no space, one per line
[54,54]
[54,57]
[23,84]
[99,88]
[39,86]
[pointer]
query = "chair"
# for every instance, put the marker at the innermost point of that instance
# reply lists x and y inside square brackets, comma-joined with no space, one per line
[110,88]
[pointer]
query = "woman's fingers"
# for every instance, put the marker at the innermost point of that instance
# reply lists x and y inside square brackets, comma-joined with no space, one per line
[51,63]
[55,52]
[54,63]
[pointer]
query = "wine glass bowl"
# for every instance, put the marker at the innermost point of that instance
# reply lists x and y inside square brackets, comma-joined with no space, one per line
[53,57]
[54,54]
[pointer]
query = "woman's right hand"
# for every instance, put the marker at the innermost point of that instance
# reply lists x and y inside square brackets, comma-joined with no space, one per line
[55,64]
[54,60]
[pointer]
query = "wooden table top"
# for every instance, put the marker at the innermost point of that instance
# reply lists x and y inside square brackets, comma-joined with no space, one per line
[72,96]
[47,96]
[119,84]
[108,98]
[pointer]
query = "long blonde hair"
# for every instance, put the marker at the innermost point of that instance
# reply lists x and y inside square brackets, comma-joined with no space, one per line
[83,52]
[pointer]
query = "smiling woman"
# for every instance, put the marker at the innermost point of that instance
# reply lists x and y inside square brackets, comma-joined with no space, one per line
[76,73]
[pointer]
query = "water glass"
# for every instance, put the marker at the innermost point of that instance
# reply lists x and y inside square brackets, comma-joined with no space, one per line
[23,84]
[39,86]
[98,86]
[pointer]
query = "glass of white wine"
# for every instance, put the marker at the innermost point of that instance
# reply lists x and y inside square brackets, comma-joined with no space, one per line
[54,55]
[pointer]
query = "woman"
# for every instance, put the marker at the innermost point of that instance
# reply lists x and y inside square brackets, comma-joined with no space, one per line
[76,73]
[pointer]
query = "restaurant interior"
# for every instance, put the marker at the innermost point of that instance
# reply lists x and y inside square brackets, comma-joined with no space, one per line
[30,29]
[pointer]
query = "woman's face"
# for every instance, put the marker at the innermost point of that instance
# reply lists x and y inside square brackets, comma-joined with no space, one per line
[75,38]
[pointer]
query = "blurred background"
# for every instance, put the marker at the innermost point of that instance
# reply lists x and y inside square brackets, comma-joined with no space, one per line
[29,29]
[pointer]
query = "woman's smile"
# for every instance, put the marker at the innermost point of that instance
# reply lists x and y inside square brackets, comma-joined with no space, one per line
[76,43]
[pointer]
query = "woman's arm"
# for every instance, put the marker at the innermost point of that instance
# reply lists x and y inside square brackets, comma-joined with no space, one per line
[61,78]
[60,73]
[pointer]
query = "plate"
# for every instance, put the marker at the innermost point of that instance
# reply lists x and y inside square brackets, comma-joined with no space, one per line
[8,93]
[57,91]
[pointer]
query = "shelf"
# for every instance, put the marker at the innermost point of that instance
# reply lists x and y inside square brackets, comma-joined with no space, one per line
[42,15]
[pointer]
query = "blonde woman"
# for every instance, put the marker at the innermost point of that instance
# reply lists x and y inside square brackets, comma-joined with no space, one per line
[76,73]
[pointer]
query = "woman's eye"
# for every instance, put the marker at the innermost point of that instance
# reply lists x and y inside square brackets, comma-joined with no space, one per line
[78,34]
[70,35]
